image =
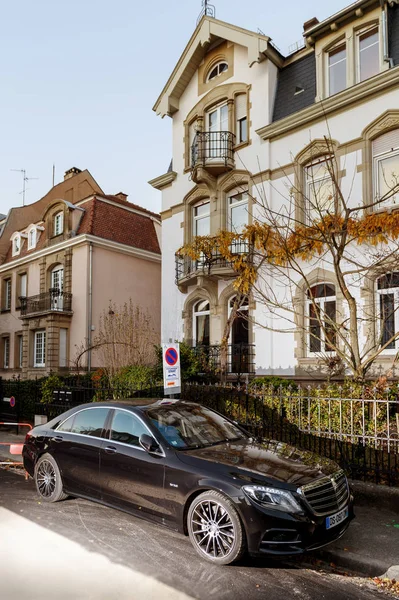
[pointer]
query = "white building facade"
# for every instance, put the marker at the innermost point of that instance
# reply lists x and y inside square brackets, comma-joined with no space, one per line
[250,124]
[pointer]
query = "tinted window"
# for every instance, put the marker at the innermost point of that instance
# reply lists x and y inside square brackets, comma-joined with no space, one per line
[86,422]
[127,428]
[193,426]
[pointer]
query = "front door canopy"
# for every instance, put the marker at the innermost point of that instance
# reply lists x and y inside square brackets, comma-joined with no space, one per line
[208,31]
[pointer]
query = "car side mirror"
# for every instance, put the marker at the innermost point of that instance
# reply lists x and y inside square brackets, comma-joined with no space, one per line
[148,443]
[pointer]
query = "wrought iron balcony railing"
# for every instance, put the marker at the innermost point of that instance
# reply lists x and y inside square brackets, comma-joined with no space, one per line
[53,300]
[185,266]
[240,358]
[212,148]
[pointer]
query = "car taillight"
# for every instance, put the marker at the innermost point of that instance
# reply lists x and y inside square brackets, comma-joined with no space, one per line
[27,437]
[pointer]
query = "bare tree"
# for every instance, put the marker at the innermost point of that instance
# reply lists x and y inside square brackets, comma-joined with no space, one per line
[319,228]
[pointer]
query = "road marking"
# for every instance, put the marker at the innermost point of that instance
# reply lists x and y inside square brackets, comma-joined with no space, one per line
[56,567]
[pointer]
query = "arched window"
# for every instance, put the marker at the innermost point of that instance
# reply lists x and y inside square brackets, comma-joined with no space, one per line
[201,323]
[218,69]
[16,244]
[386,169]
[58,223]
[319,189]
[388,292]
[32,238]
[321,311]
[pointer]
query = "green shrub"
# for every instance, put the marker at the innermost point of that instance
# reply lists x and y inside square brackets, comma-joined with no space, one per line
[274,382]
[193,367]
[53,382]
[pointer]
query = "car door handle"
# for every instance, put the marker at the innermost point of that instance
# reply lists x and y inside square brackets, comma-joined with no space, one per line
[57,438]
[110,449]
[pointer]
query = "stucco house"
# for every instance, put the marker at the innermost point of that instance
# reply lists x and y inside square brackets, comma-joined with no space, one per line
[63,259]
[249,121]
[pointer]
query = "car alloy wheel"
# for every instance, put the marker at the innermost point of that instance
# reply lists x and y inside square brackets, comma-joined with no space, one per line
[48,479]
[215,528]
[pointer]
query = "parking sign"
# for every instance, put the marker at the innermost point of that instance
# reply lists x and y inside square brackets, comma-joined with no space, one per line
[171,369]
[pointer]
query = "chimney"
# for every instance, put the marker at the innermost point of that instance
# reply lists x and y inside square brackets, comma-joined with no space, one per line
[71,172]
[121,196]
[311,23]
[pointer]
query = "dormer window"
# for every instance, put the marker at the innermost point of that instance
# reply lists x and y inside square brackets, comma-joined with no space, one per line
[32,238]
[218,69]
[337,69]
[16,245]
[368,54]
[58,223]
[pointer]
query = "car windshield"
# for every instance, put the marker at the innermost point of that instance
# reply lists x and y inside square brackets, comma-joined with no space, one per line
[187,427]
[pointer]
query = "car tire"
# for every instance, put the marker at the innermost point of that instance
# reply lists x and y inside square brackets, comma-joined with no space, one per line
[48,479]
[215,528]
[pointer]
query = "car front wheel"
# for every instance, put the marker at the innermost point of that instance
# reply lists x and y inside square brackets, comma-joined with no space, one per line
[48,479]
[215,528]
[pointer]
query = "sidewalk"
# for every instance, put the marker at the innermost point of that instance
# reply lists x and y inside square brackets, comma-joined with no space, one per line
[371,544]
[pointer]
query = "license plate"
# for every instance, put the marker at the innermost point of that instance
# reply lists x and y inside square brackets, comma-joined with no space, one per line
[336,519]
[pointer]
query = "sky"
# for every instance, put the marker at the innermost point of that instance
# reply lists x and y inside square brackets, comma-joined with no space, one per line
[79,80]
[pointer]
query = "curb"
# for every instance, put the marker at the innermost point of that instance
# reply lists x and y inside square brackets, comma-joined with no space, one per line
[367,493]
[355,563]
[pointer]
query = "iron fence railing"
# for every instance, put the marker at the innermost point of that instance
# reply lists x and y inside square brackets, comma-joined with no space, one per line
[186,266]
[240,358]
[212,147]
[53,300]
[361,434]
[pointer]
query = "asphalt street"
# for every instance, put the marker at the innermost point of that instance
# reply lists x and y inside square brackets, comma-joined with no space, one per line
[82,550]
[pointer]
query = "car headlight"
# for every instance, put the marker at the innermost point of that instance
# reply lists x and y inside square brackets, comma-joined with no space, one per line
[273,498]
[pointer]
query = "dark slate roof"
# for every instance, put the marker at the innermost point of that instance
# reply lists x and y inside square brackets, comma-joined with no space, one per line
[300,74]
[393,33]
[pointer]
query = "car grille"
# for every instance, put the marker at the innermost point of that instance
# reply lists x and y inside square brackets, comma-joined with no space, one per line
[327,495]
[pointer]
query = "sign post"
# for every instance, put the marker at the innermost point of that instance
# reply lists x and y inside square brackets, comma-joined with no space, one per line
[171,369]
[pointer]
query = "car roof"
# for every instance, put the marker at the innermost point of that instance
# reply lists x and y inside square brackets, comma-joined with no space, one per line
[140,404]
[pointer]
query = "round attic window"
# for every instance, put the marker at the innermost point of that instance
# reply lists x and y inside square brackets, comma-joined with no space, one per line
[218,69]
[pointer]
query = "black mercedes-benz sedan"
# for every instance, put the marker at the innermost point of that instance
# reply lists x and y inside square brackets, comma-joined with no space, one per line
[186,466]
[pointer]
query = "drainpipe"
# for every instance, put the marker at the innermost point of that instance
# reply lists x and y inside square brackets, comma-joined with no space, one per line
[387,58]
[90,308]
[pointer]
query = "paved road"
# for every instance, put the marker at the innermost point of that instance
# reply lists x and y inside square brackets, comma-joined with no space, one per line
[101,553]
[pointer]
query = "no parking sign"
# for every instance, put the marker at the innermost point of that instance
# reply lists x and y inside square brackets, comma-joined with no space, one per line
[171,368]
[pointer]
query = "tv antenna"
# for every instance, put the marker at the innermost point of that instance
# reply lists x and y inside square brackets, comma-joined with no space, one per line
[208,10]
[25,179]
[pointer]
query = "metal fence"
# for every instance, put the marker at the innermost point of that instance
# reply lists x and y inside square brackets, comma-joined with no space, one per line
[342,429]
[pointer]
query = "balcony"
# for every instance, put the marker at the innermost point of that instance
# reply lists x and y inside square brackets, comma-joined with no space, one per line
[240,358]
[213,151]
[187,270]
[52,301]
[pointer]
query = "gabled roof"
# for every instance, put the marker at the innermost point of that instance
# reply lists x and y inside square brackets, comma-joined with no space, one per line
[207,32]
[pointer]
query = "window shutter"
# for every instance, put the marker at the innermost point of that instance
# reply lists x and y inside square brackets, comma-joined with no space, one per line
[386,142]
[241,106]
[191,132]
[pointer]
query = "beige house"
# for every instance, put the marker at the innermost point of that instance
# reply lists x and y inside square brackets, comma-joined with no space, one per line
[63,259]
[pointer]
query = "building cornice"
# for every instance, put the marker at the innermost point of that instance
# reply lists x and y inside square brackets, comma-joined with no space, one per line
[321,110]
[163,181]
[80,240]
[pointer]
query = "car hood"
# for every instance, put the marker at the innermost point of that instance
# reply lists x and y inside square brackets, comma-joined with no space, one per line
[261,461]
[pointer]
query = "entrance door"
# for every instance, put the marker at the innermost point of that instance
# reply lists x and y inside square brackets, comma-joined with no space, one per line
[218,121]
[57,288]
[239,340]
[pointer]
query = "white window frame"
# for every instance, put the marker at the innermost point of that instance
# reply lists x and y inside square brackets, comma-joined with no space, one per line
[342,43]
[197,218]
[32,238]
[39,360]
[16,245]
[231,205]
[386,291]
[321,301]
[312,180]
[7,294]
[219,72]
[359,34]
[377,159]
[59,223]
[201,313]
[6,353]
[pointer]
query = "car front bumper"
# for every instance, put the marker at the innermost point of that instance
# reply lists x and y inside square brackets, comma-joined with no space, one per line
[275,533]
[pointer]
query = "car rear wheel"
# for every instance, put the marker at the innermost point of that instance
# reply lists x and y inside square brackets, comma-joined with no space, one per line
[48,479]
[215,528]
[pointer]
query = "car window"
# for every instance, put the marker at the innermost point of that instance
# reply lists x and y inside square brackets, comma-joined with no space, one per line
[127,428]
[86,422]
